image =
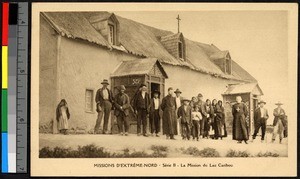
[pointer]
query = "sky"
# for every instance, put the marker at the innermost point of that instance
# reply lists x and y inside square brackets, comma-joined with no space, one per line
[256,40]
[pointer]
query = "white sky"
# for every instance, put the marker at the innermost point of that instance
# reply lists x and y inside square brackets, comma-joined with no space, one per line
[256,40]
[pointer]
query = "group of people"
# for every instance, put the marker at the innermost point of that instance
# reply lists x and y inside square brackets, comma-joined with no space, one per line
[192,119]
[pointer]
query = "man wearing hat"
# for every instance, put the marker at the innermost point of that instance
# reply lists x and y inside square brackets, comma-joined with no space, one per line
[260,120]
[168,105]
[141,105]
[279,122]
[122,105]
[202,109]
[154,117]
[104,102]
[184,113]
[178,104]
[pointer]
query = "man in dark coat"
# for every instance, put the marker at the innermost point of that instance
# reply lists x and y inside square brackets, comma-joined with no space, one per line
[141,106]
[202,109]
[168,106]
[239,126]
[104,101]
[184,114]
[122,106]
[260,120]
[154,117]
[279,122]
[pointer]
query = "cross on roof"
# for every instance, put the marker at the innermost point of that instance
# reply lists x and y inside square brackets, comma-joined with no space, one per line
[178,19]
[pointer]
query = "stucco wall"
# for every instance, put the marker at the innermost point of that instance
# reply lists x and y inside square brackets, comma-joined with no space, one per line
[47,83]
[83,66]
[191,83]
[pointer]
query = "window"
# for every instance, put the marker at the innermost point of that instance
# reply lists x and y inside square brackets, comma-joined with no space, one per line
[180,50]
[89,100]
[111,34]
[228,66]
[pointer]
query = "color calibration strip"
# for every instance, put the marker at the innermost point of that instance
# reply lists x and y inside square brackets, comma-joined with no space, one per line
[4,104]
[9,90]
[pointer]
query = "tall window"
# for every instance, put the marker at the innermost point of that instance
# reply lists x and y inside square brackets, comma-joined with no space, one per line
[180,50]
[89,100]
[111,34]
[228,66]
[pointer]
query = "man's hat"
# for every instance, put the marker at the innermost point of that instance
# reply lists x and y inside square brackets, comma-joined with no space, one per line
[156,91]
[177,91]
[170,88]
[185,99]
[122,87]
[105,81]
[143,84]
[278,103]
[200,95]
[261,101]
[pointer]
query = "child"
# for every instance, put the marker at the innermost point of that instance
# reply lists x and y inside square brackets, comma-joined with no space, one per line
[154,117]
[184,114]
[196,118]
[62,116]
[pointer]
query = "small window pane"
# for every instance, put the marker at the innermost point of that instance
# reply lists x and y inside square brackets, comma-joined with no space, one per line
[89,100]
[180,50]
[111,34]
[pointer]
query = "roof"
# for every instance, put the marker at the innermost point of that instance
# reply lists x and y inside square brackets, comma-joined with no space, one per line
[219,55]
[138,67]
[243,88]
[145,41]
[76,26]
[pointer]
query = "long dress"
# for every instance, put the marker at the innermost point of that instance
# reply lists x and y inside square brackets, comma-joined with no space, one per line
[219,121]
[63,118]
[239,127]
[168,106]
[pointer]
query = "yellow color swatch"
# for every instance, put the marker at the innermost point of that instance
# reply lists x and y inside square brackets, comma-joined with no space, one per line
[4,67]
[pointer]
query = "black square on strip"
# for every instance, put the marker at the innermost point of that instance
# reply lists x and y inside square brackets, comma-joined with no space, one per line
[13,14]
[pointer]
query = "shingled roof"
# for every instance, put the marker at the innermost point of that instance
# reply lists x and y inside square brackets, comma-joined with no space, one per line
[143,40]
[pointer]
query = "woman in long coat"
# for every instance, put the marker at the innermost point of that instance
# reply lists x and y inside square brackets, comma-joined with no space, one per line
[62,116]
[168,107]
[209,122]
[220,127]
[239,126]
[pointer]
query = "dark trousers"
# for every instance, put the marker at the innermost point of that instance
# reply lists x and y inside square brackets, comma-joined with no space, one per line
[122,119]
[196,129]
[263,130]
[185,130]
[142,120]
[204,127]
[106,109]
[154,120]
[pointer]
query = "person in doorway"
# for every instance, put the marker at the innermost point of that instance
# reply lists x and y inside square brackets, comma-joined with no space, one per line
[239,126]
[63,116]
[178,104]
[141,106]
[122,107]
[260,120]
[104,101]
[196,118]
[184,115]
[279,122]
[168,107]
[154,117]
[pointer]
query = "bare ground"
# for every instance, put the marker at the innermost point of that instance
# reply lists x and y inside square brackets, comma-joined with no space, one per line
[116,143]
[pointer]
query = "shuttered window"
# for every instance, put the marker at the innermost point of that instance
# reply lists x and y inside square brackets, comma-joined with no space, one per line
[89,93]
[180,50]
[111,34]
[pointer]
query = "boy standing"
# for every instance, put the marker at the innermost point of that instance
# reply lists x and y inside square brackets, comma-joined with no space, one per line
[154,116]
[184,114]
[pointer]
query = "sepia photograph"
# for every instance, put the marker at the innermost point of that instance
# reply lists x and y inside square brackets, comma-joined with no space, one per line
[164,84]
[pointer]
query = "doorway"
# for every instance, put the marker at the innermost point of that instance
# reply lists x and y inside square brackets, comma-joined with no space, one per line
[154,87]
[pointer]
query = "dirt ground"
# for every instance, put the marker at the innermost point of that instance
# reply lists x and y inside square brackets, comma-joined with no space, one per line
[116,143]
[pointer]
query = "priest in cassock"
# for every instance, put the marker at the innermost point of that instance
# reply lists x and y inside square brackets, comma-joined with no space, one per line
[168,107]
[239,126]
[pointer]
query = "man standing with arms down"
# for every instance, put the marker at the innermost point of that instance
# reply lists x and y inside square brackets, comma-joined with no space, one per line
[201,106]
[168,106]
[260,120]
[179,102]
[122,105]
[141,105]
[239,126]
[104,102]
[279,122]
